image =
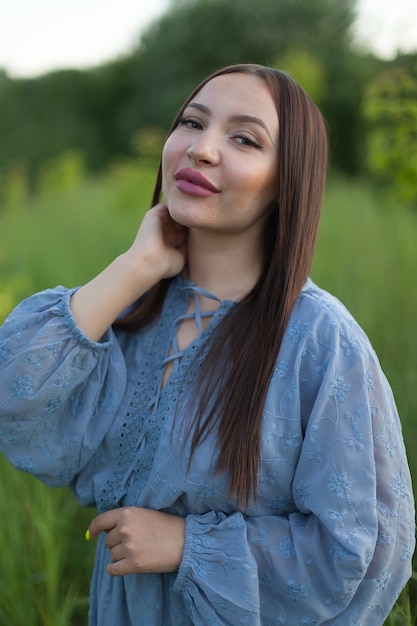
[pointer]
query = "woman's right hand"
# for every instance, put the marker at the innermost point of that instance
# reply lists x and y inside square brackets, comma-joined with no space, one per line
[160,244]
[158,251]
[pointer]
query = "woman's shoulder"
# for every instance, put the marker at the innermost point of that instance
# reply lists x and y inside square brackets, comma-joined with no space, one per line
[35,309]
[317,310]
[43,300]
[49,308]
[322,326]
[314,300]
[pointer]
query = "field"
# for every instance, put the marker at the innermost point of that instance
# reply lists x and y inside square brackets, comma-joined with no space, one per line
[366,255]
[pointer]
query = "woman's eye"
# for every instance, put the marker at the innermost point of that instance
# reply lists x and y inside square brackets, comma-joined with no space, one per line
[190,122]
[244,140]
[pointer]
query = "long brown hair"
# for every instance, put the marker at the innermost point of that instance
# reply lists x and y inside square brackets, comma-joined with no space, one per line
[253,330]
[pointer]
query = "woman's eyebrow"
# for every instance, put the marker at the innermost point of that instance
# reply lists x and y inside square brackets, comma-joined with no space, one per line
[234,118]
[254,120]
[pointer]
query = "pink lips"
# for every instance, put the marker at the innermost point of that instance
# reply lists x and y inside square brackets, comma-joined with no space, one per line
[193,183]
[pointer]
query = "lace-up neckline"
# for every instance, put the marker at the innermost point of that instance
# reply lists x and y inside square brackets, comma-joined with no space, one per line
[198,318]
[151,402]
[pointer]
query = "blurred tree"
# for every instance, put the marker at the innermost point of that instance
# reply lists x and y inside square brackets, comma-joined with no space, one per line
[348,74]
[39,118]
[98,112]
[147,145]
[306,70]
[108,88]
[390,106]
[14,189]
[196,37]
[5,81]
[64,172]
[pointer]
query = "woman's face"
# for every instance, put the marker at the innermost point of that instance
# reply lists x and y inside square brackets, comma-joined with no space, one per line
[220,164]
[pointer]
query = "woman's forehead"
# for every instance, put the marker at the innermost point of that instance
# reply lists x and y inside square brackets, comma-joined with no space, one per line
[240,92]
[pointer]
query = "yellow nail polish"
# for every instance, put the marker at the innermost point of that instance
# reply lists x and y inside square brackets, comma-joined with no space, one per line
[87,535]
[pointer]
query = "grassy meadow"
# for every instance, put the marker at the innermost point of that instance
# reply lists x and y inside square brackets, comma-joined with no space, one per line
[366,255]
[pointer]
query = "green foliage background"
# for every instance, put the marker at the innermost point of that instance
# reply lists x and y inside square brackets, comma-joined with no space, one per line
[366,256]
[98,111]
[77,163]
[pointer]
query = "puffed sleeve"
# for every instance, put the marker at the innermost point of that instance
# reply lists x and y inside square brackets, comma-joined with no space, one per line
[342,553]
[59,390]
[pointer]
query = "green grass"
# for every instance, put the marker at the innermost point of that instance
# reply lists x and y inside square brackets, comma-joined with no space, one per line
[366,256]
[69,237]
[44,566]
[45,563]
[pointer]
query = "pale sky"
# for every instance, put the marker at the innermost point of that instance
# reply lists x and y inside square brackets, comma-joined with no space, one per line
[37,36]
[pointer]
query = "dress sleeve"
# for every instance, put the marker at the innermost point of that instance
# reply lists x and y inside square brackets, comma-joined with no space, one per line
[344,550]
[59,389]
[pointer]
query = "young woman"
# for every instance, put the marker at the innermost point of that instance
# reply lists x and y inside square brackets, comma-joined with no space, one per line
[229,419]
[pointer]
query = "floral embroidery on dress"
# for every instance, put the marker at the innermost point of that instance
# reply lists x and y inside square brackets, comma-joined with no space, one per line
[339,484]
[23,386]
[334,492]
[339,388]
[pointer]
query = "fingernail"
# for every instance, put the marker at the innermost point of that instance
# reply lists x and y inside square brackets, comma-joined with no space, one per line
[87,535]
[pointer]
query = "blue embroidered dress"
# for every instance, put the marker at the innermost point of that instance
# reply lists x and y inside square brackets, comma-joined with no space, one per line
[331,537]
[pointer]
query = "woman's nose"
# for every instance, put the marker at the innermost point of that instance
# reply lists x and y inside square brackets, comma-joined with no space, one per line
[204,149]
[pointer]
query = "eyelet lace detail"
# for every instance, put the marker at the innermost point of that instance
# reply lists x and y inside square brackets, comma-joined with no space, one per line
[150,405]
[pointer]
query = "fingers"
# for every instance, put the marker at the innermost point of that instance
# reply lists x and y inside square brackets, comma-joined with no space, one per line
[117,569]
[116,524]
[123,562]
[103,522]
[140,540]
[120,568]
[160,244]
[119,552]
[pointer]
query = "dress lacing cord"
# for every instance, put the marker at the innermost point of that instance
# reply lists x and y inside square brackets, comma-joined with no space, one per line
[198,315]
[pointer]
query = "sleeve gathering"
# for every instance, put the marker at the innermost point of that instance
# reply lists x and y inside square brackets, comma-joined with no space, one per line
[60,390]
[344,550]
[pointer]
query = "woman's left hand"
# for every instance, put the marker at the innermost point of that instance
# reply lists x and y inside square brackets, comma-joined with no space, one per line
[140,540]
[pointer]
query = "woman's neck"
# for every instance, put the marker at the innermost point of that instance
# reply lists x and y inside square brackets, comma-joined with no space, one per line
[228,266]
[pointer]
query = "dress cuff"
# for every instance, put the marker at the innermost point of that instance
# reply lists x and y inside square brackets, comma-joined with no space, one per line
[63,309]
[185,565]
